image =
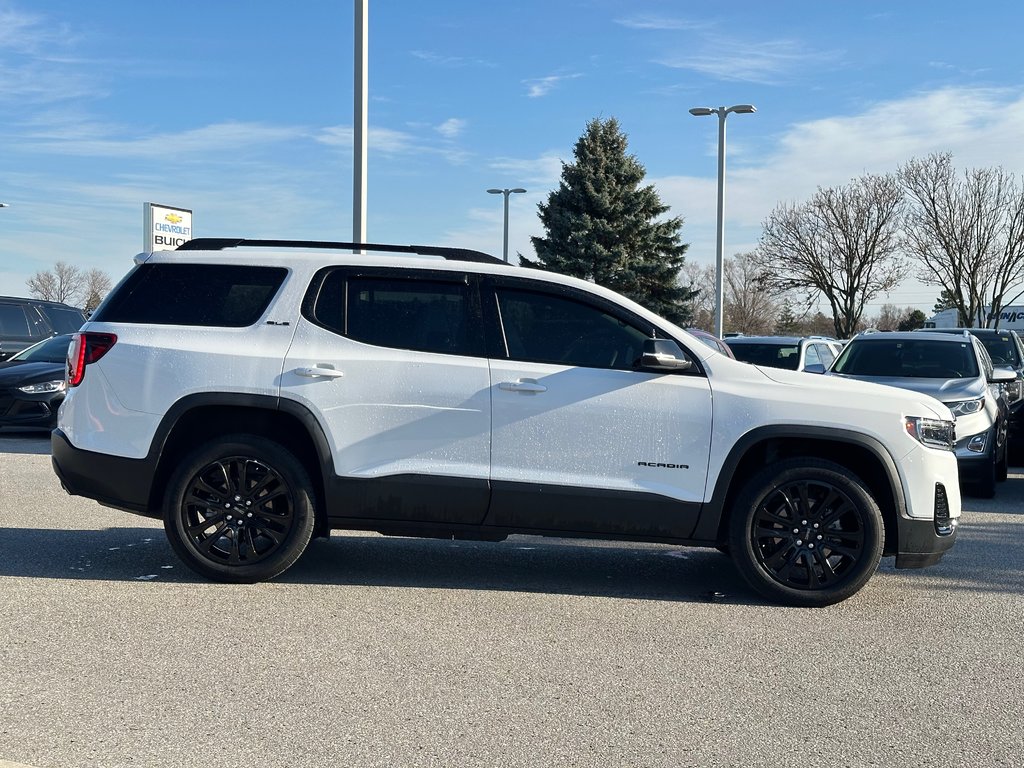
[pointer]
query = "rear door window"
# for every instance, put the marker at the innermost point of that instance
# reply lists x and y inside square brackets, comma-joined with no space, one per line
[426,313]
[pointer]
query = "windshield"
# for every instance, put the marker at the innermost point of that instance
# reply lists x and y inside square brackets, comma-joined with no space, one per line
[921,359]
[1001,349]
[773,355]
[53,350]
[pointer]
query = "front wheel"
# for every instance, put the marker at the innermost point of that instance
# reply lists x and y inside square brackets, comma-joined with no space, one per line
[239,509]
[806,532]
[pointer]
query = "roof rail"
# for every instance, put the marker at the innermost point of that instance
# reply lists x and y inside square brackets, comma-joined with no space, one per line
[452,254]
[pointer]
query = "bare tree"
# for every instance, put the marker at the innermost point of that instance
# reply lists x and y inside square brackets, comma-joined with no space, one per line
[889,318]
[751,306]
[966,234]
[63,283]
[70,285]
[97,285]
[43,285]
[842,245]
[701,280]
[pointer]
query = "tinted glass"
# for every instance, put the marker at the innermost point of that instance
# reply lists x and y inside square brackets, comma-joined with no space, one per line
[1001,348]
[218,295]
[14,321]
[908,358]
[423,315]
[552,329]
[53,350]
[64,319]
[773,355]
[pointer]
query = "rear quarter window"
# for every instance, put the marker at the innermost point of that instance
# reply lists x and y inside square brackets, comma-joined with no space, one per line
[219,295]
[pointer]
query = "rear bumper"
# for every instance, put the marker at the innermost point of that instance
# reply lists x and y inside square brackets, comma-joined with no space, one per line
[113,481]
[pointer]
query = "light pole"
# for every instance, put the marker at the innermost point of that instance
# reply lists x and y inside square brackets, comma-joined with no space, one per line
[506,193]
[722,112]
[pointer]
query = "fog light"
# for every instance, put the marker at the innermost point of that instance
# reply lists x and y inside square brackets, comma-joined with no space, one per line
[977,444]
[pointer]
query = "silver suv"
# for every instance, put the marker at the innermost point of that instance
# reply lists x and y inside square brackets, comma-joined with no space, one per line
[255,394]
[953,368]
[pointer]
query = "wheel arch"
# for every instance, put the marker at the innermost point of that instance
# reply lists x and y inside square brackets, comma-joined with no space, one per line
[862,454]
[196,419]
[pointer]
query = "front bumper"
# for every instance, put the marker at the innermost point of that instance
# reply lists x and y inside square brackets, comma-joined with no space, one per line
[923,542]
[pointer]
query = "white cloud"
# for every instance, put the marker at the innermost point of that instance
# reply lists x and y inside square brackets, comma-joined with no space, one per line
[542,86]
[91,139]
[27,33]
[541,171]
[445,60]
[660,23]
[451,128]
[765,62]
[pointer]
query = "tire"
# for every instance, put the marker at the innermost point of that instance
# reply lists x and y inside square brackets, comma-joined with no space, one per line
[985,487]
[239,509]
[1003,470]
[806,532]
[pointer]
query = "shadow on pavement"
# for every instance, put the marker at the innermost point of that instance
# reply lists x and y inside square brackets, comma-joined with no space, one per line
[24,441]
[521,564]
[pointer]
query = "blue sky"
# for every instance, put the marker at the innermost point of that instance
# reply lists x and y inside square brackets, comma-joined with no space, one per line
[243,113]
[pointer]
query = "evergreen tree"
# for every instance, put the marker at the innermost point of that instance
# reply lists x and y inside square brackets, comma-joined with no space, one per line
[602,226]
[913,321]
[787,324]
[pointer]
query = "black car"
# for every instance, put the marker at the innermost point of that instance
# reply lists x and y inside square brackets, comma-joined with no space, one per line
[25,321]
[32,384]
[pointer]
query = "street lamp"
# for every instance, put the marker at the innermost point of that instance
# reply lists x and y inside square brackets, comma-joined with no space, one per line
[506,193]
[722,112]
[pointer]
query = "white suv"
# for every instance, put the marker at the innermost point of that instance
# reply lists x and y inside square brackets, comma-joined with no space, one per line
[253,394]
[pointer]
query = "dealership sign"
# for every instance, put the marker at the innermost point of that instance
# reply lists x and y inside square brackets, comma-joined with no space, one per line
[165,228]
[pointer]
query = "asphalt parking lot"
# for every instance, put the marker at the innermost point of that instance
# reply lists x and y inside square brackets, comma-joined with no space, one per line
[377,651]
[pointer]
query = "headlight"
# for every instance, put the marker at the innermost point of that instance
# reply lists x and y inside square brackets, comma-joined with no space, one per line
[965,407]
[934,433]
[57,385]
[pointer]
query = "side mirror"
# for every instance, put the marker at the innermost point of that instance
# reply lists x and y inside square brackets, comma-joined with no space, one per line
[814,368]
[664,355]
[1002,375]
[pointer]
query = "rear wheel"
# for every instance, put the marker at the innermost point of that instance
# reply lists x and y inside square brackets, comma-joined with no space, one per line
[239,509]
[806,532]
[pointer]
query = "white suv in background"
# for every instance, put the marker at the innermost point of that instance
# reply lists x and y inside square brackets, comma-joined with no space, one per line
[253,394]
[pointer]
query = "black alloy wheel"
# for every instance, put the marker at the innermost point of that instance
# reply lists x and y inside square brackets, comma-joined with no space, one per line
[806,532]
[240,510]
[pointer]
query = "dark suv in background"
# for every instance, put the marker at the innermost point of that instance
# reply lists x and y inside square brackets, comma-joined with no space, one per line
[23,322]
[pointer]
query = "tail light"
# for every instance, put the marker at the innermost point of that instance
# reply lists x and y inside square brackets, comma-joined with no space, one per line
[86,348]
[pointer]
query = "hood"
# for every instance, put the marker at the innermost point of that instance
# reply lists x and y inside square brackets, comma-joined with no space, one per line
[945,390]
[13,374]
[847,389]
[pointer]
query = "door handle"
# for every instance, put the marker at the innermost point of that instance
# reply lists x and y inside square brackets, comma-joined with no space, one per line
[316,371]
[522,385]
